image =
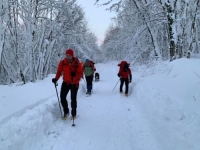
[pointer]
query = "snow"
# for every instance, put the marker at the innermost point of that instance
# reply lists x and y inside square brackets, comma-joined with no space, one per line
[161,112]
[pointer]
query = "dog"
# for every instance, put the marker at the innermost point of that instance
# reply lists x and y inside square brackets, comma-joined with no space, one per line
[96,76]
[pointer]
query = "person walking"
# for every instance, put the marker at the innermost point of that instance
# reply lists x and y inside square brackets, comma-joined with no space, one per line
[72,72]
[125,76]
[89,70]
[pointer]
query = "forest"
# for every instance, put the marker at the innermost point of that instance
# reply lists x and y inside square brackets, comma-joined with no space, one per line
[34,34]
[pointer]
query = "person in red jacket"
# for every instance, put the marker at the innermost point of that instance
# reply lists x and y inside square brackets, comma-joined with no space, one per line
[72,72]
[125,76]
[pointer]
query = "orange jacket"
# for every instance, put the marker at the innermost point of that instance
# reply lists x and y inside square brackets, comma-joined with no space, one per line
[65,68]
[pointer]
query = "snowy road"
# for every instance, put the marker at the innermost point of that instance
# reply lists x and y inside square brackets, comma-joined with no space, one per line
[107,120]
[148,119]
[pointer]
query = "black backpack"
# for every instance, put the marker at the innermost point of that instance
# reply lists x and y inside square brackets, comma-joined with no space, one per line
[126,66]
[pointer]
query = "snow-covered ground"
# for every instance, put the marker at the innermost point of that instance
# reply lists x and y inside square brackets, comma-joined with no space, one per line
[161,112]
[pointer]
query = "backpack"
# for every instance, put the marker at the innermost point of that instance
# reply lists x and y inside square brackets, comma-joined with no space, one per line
[89,68]
[92,65]
[124,66]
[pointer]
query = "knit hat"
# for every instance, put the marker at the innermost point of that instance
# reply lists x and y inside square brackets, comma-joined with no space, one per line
[70,52]
[87,60]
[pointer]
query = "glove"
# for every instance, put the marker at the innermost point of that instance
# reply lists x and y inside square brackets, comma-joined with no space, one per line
[118,75]
[54,80]
[73,74]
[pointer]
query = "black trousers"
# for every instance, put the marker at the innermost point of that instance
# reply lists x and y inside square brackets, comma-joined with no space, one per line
[122,80]
[63,96]
[89,82]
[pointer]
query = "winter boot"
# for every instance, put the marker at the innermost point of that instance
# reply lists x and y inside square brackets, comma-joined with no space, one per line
[87,92]
[73,117]
[65,116]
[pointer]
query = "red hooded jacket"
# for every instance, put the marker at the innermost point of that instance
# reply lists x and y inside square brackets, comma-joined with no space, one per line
[122,73]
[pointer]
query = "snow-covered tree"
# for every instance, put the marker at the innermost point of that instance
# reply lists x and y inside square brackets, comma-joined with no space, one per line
[161,29]
[35,34]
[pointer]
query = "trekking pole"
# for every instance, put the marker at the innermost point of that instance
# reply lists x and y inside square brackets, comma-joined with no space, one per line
[116,84]
[56,84]
[72,92]
[73,122]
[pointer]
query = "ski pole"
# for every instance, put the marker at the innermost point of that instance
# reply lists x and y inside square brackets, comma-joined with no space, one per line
[72,92]
[116,84]
[56,84]
[73,122]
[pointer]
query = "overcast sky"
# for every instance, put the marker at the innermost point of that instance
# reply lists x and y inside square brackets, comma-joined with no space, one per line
[98,18]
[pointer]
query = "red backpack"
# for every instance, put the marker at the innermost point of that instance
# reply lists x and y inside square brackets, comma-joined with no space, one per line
[124,70]
[123,66]
[92,65]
